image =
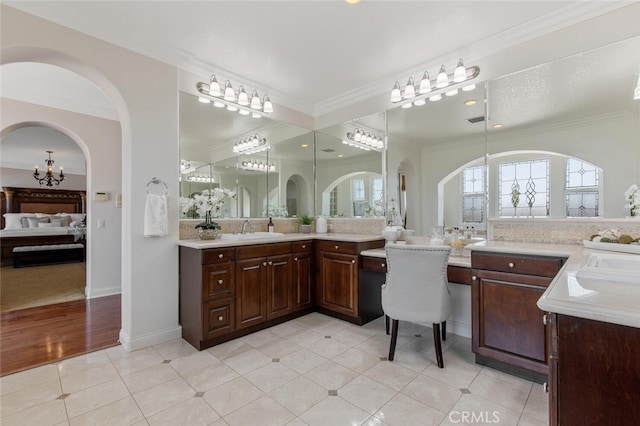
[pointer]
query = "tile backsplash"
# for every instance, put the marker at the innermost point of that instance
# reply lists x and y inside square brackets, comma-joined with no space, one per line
[558,231]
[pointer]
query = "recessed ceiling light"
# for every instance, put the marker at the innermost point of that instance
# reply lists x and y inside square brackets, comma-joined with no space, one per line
[304,145]
[470,102]
[497,126]
[352,1]
[340,155]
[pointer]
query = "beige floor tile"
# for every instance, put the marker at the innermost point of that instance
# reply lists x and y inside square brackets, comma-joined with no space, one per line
[264,411]
[334,411]
[389,374]
[530,421]
[474,410]
[297,422]
[30,397]
[328,348]
[357,360]
[248,361]
[192,412]
[28,378]
[416,361]
[500,392]
[163,396]
[513,380]
[229,349]
[149,377]
[378,345]
[331,375]
[285,329]
[175,349]
[299,395]
[537,406]
[130,362]
[305,337]
[83,362]
[302,360]
[459,374]
[194,362]
[433,393]
[405,411]
[278,348]
[72,383]
[349,337]
[367,394]
[122,412]
[232,395]
[95,397]
[45,414]
[259,338]
[210,377]
[271,376]
[219,422]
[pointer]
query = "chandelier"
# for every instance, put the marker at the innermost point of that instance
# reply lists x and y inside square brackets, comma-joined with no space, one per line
[364,139]
[250,145]
[258,166]
[226,97]
[433,89]
[48,178]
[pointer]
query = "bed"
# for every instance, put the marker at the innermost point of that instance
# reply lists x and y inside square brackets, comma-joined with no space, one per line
[63,212]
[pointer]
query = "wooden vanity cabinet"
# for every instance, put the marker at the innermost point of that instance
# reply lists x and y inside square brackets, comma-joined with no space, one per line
[338,292]
[303,283]
[506,322]
[594,376]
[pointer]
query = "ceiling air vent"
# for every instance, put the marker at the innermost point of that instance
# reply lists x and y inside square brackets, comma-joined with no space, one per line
[327,150]
[476,119]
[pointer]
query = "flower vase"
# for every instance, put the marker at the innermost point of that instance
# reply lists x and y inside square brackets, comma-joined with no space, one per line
[306,229]
[207,234]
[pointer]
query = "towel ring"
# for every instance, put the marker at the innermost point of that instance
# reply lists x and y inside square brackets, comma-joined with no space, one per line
[155,181]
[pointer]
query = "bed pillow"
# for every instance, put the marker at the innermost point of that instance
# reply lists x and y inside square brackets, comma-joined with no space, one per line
[77,217]
[48,225]
[61,220]
[14,220]
[35,222]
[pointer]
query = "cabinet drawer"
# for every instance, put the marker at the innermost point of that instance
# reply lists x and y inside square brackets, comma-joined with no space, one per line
[218,255]
[218,281]
[337,247]
[262,250]
[218,318]
[378,264]
[302,246]
[459,275]
[542,266]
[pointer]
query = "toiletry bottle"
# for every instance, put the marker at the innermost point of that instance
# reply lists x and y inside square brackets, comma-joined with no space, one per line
[271,226]
[321,225]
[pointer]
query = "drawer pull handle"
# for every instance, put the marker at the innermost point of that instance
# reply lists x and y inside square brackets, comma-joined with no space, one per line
[545,319]
[220,256]
[295,258]
[353,261]
[270,263]
[383,265]
[264,263]
[337,247]
[220,318]
[474,278]
[511,265]
[220,282]
[304,246]
[545,387]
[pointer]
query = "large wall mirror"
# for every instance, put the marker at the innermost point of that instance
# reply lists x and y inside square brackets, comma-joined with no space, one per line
[275,182]
[564,137]
[350,174]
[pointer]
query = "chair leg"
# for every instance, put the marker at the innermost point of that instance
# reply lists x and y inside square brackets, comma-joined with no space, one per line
[444,330]
[394,338]
[438,344]
[386,323]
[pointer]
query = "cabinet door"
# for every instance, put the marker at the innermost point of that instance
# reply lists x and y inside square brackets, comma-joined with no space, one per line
[302,281]
[218,318]
[338,288]
[218,281]
[279,278]
[507,324]
[251,292]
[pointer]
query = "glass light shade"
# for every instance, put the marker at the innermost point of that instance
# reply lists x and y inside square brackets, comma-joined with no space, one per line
[255,101]
[218,104]
[409,90]
[357,136]
[420,102]
[636,92]
[435,98]
[396,95]
[214,86]
[469,88]
[231,108]
[407,105]
[460,73]
[442,80]
[425,83]
[243,112]
[267,106]
[451,92]
[243,99]
[203,100]
[229,93]
[254,115]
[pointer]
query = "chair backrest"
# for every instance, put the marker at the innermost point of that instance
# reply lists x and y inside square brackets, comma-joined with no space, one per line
[417,288]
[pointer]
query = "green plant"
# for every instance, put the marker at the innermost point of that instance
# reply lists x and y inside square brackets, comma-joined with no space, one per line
[208,223]
[305,220]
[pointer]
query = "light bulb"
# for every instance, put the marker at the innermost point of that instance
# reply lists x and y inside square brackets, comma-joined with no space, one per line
[243,99]
[203,100]
[469,88]
[229,93]
[396,95]
[255,101]
[452,92]
[460,73]
[243,112]
[218,104]
[214,86]
[409,89]
[407,105]
[267,106]
[231,108]
[442,80]
[420,102]
[425,83]
[435,98]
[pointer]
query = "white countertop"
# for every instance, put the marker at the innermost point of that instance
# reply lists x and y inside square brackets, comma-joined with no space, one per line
[464,261]
[205,244]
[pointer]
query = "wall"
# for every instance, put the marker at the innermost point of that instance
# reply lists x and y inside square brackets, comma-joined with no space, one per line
[144,93]
[21,178]
[100,141]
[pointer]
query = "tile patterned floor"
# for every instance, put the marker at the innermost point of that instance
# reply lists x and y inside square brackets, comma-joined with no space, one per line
[314,370]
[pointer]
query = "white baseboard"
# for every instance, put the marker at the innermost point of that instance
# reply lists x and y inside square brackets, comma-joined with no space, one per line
[101,292]
[459,328]
[150,339]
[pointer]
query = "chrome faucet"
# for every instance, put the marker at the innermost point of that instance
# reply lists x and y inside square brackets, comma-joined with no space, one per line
[244,225]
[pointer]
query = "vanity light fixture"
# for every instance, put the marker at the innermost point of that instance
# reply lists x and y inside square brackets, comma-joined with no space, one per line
[364,139]
[226,97]
[250,145]
[48,179]
[447,84]
[200,178]
[258,166]
[636,92]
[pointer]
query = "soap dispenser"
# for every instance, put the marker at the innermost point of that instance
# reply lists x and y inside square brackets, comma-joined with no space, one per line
[270,226]
[321,225]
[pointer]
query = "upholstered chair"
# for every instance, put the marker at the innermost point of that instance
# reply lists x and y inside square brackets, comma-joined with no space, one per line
[416,290]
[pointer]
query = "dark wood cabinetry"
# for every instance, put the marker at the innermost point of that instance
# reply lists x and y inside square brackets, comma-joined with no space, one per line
[594,376]
[506,322]
[303,297]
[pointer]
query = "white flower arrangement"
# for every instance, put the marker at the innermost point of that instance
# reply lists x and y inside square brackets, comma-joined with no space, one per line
[632,196]
[207,202]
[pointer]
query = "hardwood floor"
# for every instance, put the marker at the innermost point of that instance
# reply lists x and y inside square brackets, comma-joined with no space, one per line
[37,336]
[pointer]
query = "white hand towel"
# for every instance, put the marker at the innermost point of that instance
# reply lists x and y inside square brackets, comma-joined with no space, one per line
[155,216]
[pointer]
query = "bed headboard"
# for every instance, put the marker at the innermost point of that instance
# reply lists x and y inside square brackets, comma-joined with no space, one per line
[38,200]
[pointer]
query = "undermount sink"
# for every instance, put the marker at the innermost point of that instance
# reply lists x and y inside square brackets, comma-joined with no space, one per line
[611,267]
[250,236]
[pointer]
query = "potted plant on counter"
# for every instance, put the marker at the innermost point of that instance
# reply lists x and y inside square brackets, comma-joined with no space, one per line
[305,223]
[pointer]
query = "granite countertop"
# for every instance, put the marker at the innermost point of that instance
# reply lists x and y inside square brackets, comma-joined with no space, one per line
[205,244]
